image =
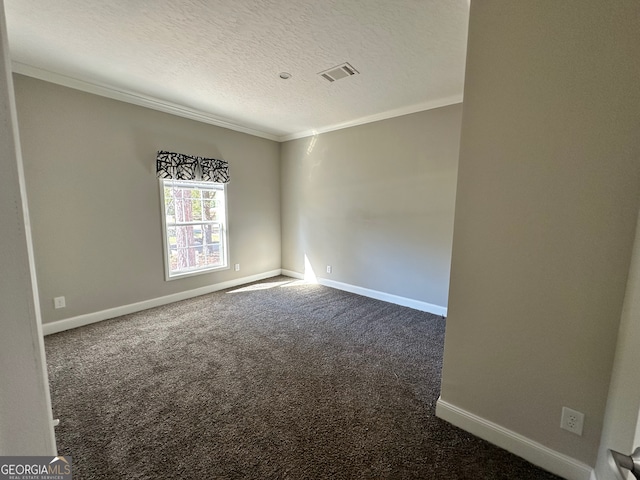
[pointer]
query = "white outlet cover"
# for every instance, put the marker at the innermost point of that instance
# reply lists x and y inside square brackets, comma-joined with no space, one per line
[59,302]
[572,420]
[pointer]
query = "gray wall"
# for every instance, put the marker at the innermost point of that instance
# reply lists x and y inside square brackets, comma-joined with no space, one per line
[25,407]
[546,208]
[94,198]
[376,203]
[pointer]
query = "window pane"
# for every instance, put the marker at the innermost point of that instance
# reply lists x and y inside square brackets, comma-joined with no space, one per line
[192,243]
[169,202]
[209,206]
[196,246]
[195,206]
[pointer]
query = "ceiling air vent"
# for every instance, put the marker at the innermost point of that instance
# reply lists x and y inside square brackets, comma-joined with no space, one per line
[338,72]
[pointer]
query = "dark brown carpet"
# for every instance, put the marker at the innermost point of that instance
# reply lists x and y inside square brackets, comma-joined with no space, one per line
[277,380]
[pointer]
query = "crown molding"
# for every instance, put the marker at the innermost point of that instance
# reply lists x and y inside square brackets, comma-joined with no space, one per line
[128,96]
[398,112]
[153,103]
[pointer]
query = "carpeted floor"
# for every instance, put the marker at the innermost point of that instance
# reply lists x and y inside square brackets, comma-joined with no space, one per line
[275,380]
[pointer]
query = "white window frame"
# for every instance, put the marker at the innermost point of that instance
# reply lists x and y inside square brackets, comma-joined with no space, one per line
[224,240]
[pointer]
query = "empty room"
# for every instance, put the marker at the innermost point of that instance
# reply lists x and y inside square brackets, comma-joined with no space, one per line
[344,239]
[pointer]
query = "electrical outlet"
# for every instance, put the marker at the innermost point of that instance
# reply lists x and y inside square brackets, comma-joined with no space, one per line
[236,267]
[59,302]
[329,269]
[572,420]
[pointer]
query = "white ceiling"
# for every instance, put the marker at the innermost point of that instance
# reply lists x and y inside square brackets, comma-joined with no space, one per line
[219,60]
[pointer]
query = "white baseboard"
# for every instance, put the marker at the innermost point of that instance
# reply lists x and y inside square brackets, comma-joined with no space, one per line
[89,318]
[534,452]
[366,292]
[292,274]
[81,320]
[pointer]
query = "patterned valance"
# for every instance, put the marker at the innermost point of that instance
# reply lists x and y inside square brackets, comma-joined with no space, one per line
[179,166]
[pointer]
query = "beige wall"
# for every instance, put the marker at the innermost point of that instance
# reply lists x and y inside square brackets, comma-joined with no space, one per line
[546,208]
[95,205]
[376,203]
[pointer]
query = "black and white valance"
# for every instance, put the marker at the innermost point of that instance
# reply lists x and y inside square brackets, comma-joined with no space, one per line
[179,166]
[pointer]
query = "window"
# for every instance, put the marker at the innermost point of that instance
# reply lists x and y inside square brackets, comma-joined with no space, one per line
[195,227]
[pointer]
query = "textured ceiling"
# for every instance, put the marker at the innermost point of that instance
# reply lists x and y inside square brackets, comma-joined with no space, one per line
[222,57]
